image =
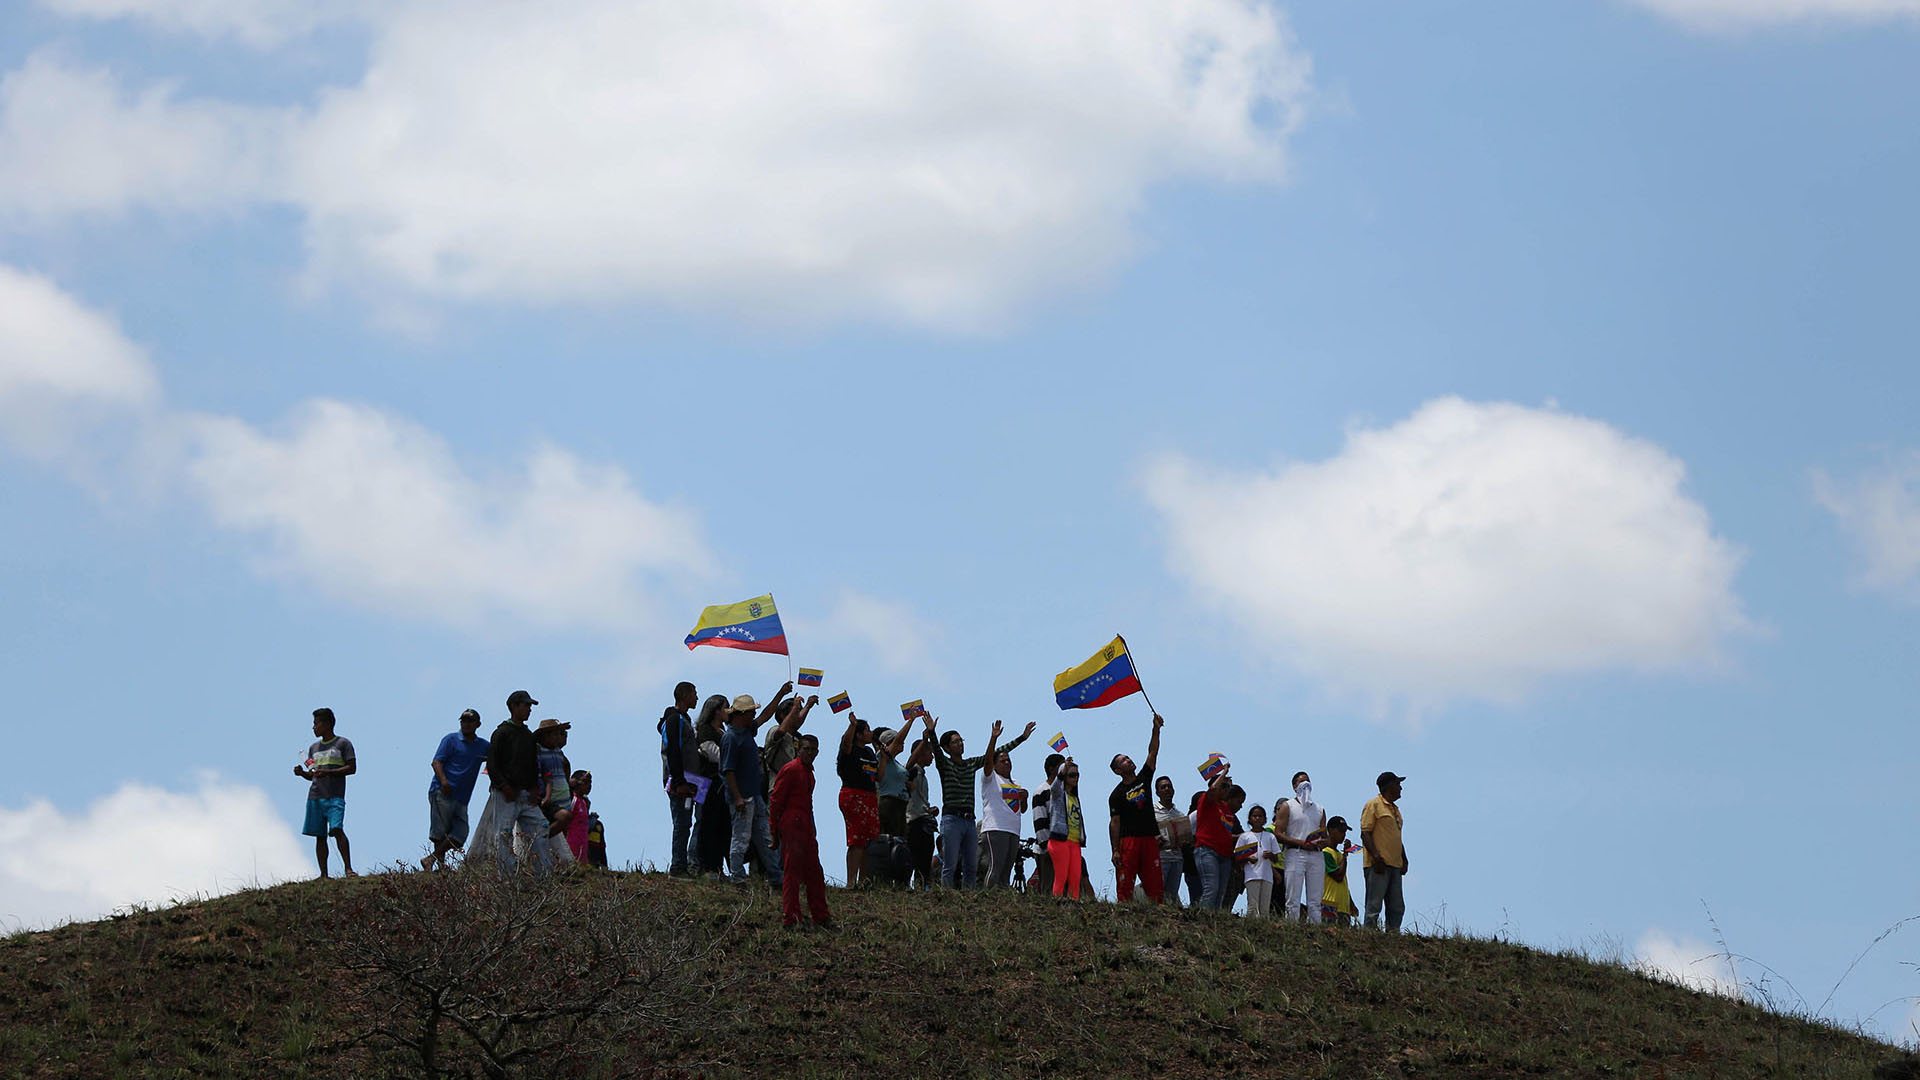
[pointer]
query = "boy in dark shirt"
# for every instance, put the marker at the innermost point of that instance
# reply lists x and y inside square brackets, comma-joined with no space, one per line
[1131,825]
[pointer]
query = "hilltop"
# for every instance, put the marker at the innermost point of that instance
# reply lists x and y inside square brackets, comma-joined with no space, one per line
[250,985]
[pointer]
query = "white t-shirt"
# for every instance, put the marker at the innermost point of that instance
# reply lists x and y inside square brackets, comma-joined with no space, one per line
[995,813]
[1258,868]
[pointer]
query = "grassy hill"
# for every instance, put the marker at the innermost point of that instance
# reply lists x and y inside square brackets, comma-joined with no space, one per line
[255,985]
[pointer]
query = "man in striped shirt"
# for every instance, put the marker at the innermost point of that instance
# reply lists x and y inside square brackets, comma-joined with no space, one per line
[959,834]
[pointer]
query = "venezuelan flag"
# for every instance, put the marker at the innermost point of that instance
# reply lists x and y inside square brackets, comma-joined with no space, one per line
[913,710]
[840,702]
[1058,742]
[1212,767]
[811,676]
[1104,679]
[752,625]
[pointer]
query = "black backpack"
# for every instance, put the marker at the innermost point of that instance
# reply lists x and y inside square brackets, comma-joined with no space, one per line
[889,860]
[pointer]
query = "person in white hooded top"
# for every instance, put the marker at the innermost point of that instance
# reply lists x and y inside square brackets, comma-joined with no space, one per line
[1300,824]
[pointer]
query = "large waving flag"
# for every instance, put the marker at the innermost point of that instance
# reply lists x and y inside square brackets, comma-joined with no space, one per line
[1104,679]
[752,625]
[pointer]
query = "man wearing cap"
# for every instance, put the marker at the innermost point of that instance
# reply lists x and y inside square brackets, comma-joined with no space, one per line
[1386,856]
[740,768]
[513,767]
[456,767]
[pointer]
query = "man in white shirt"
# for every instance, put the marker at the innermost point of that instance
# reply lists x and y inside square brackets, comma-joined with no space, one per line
[1301,826]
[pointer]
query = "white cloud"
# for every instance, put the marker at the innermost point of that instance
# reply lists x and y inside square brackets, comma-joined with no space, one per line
[376,510]
[257,22]
[1728,14]
[73,141]
[368,506]
[895,636]
[63,368]
[939,162]
[1687,962]
[1467,551]
[141,845]
[1880,511]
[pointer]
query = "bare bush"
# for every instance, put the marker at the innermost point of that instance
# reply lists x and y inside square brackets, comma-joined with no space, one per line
[473,973]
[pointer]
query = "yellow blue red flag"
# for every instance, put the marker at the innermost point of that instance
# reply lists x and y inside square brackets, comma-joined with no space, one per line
[1105,678]
[752,625]
[811,676]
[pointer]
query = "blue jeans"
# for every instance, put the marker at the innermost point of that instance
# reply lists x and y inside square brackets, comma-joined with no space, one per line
[525,813]
[1170,878]
[750,831]
[682,827]
[959,850]
[1215,869]
[1383,890]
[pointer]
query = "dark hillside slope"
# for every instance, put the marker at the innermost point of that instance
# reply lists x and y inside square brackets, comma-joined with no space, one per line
[911,985]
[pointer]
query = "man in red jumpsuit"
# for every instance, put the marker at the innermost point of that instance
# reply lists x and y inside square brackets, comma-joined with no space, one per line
[791,811]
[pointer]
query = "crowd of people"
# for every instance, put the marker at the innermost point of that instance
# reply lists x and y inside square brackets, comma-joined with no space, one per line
[741,808]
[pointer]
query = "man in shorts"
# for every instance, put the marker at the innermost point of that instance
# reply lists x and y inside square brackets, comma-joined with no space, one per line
[456,766]
[329,762]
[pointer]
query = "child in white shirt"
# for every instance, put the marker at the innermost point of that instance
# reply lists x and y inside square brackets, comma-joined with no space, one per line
[1260,860]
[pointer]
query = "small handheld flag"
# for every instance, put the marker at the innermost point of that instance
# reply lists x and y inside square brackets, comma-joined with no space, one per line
[840,702]
[1015,795]
[1058,742]
[1245,848]
[752,625]
[1103,679]
[810,676]
[1212,767]
[913,710]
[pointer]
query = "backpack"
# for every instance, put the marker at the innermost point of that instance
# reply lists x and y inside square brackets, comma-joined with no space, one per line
[889,860]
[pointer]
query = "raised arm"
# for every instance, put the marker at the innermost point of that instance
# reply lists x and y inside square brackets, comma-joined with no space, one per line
[846,737]
[1015,744]
[993,753]
[1153,748]
[797,715]
[774,705]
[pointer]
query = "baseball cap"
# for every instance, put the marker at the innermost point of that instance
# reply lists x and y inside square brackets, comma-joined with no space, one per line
[521,697]
[1338,822]
[1386,778]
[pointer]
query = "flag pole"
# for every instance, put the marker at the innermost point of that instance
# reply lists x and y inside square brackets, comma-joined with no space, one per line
[1136,675]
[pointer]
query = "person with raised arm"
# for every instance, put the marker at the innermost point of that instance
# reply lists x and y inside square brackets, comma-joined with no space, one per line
[959,834]
[923,815]
[1212,843]
[1131,825]
[740,767]
[1067,831]
[859,767]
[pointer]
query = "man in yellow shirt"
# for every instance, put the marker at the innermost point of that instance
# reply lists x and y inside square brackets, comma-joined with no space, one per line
[1386,855]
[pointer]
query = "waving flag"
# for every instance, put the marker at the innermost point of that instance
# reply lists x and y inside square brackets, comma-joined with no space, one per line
[1212,767]
[840,702]
[752,625]
[811,676]
[1105,678]
[913,710]
[1058,742]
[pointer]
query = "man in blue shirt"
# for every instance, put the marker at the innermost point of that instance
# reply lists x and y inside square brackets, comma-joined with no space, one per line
[456,766]
[740,768]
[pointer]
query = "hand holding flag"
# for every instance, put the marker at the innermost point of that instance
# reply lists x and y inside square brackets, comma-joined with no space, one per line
[913,709]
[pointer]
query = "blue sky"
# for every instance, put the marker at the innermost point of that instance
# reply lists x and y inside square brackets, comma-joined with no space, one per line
[1514,396]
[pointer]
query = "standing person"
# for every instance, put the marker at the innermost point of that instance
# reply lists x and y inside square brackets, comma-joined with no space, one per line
[793,832]
[1301,825]
[959,835]
[783,742]
[892,789]
[579,822]
[1043,825]
[1386,854]
[1067,830]
[329,762]
[1336,902]
[1176,842]
[713,832]
[513,767]
[456,768]
[680,758]
[1132,826]
[740,767]
[556,791]
[1260,865]
[1001,811]
[1213,844]
[923,817]
[596,842]
[859,768]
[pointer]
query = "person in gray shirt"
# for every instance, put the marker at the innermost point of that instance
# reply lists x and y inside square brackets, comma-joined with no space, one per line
[328,764]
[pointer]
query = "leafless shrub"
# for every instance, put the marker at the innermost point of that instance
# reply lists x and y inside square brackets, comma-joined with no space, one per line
[521,976]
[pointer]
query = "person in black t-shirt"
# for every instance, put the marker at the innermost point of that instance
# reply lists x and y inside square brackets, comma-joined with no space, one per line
[1131,825]
[859,767]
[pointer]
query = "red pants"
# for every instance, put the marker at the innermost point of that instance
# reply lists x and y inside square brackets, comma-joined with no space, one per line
[800,862]
[1066,867]
[1140,855]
